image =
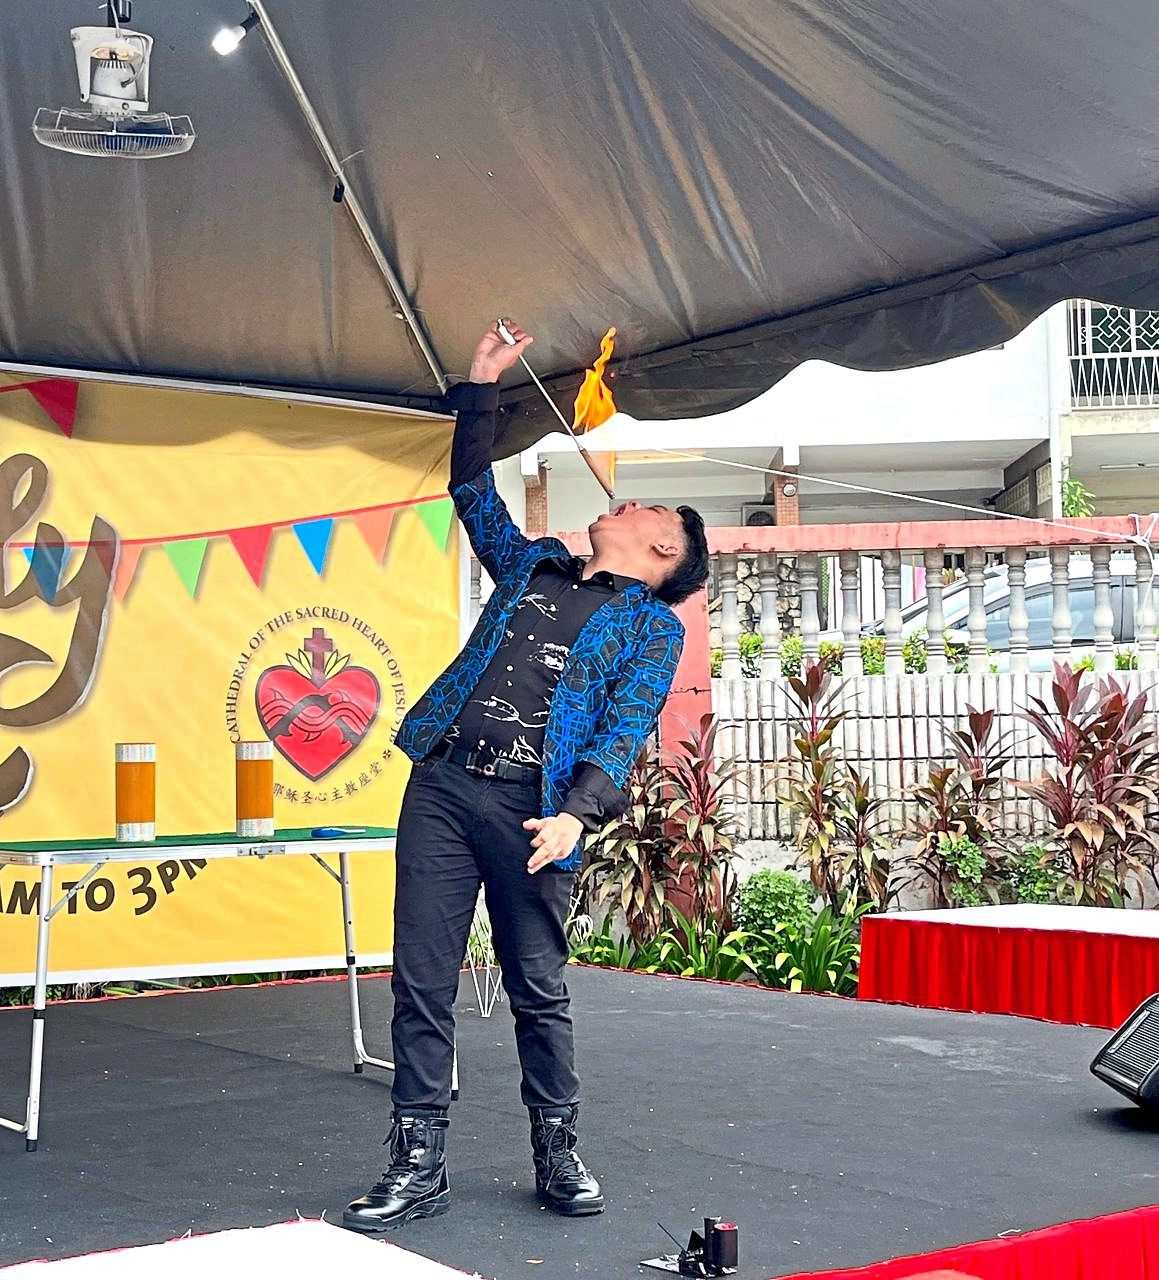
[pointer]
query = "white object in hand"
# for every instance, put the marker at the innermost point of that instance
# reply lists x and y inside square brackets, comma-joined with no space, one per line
[505,333]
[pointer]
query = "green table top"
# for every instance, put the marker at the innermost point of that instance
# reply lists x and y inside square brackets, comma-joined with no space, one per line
[286,835]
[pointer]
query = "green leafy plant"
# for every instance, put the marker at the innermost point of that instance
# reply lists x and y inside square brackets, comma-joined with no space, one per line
[23,995]
[603,948]
[966,867]
[683,949]
[820,956]
[691,952]
[769,898]
[1102,785]
[675,840]
[915,654]
[752,647]
[1077,500]
[1126,659]
[791,654]
[840,832]
[1033,875]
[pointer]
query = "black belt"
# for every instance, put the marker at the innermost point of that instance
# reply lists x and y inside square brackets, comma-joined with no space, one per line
[487,765]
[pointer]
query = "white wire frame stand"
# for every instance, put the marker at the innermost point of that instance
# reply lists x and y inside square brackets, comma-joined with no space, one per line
[97,859]
[481,960]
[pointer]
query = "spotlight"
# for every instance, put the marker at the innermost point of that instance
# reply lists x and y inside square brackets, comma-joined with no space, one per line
[228,38]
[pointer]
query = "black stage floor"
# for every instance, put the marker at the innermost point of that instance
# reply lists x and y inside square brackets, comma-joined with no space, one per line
[833,1133]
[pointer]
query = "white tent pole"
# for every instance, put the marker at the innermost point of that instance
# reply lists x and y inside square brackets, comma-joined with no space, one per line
[350,197]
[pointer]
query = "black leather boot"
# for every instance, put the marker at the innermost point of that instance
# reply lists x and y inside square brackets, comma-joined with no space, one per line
[561,1179]
[416,1184]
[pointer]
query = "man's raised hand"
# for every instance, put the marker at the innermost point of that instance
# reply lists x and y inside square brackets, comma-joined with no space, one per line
[493,357]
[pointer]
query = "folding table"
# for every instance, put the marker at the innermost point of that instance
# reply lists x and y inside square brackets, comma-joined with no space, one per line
[96,854]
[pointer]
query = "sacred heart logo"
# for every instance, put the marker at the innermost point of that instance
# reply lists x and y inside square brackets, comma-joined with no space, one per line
[317,709]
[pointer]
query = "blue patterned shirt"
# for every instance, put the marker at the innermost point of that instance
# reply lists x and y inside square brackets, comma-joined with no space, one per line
[614,680]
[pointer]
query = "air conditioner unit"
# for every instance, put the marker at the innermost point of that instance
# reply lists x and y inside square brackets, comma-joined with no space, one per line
[758,513]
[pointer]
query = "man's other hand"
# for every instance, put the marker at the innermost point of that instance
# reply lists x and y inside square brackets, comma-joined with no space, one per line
[493,357]
[554,838]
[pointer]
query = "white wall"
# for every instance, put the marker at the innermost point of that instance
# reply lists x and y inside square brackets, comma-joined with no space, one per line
[573,502]
[990,395]
[509,482]
[946,430]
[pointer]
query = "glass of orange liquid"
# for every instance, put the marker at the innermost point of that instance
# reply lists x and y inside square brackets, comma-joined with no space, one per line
[254,772]
[136,764]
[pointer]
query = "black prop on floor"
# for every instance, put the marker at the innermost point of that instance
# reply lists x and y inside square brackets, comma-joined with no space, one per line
[833,1133]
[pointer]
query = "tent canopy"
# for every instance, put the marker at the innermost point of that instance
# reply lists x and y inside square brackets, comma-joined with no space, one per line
[736,185]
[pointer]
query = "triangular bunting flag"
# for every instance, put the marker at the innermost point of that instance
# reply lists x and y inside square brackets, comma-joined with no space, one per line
[253,546]
[314,535]
[106,552]
[375,528]
[57,397]
[126,568]
[437,517]
[187,556]
[48,560]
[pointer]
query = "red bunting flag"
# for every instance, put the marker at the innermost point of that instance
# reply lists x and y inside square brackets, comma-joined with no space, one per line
[253,546]
[57,397]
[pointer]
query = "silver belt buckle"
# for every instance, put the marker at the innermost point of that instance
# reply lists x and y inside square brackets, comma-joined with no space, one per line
[489,769]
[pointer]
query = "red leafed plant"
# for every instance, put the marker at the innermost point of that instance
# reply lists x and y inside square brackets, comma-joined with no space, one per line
[671,852]
[701,822]
[1101,789]
[840,831]
[959,801]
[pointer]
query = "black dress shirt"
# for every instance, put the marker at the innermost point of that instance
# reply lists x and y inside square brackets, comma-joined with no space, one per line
[507,712]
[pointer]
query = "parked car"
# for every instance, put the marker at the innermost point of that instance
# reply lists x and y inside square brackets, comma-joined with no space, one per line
[1039,610]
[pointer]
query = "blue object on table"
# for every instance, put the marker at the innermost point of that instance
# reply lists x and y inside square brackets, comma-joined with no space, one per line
[336,833]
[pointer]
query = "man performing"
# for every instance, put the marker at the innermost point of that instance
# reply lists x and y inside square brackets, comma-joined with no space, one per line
[520,747]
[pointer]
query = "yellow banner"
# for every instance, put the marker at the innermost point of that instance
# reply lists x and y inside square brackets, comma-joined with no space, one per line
[191,570]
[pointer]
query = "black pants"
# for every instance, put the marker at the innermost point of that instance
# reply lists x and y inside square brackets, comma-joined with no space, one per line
[458,830]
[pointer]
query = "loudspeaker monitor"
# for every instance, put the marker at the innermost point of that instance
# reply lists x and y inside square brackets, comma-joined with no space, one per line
[1129,1061]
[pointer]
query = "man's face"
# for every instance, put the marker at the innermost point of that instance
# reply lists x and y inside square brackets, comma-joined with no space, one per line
[636,530]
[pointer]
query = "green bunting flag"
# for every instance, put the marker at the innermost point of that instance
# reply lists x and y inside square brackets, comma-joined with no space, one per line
[437,516]
[187,556]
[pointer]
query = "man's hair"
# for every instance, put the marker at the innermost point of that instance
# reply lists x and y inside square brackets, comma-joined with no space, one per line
[690,572]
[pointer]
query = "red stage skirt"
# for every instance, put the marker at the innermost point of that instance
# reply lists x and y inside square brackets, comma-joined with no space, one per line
[1121,1246]
[1064,964]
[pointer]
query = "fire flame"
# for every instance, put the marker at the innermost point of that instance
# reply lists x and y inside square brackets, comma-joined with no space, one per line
[594,404]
